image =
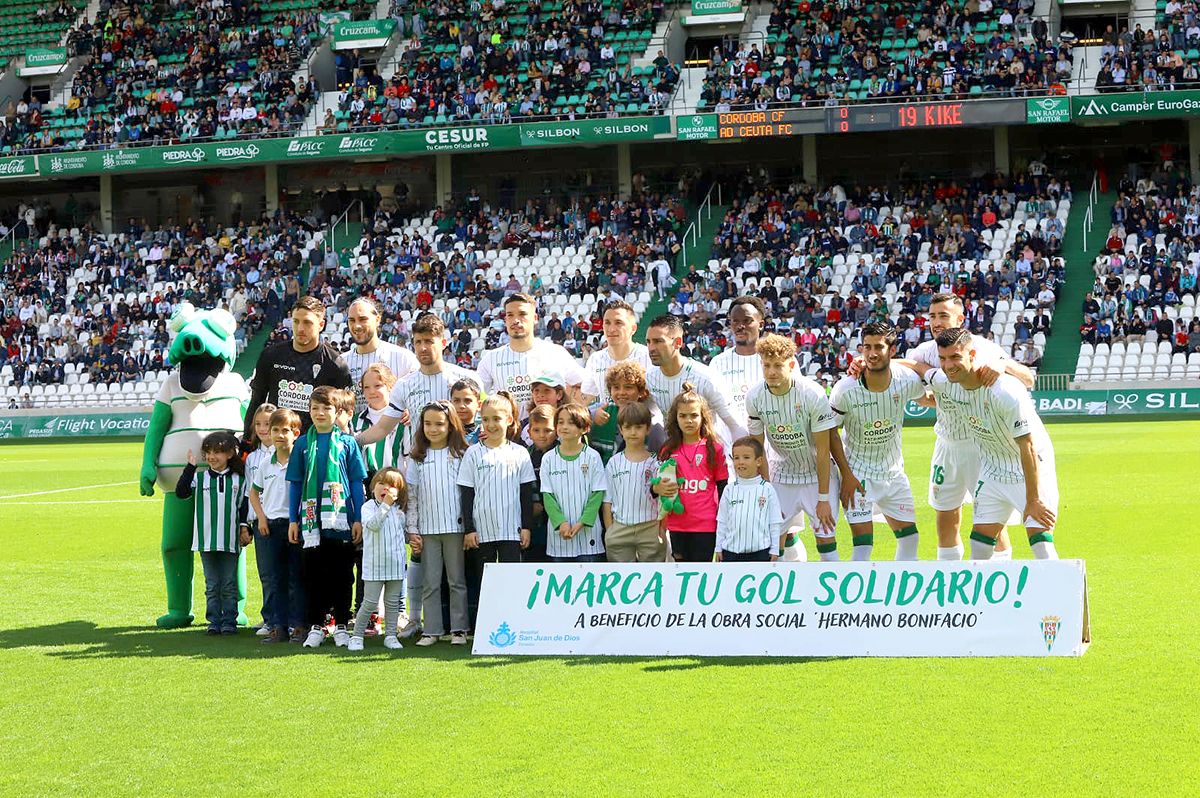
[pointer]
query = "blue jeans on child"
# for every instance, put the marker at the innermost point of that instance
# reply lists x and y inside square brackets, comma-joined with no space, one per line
[220,589]
[279,571]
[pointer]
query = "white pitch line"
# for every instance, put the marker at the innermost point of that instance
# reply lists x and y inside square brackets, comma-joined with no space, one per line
[66,490]
[76,504]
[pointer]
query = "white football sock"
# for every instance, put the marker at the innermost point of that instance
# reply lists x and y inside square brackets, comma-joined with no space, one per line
[949,552]
[1044,551]
[906,548]
[981,550]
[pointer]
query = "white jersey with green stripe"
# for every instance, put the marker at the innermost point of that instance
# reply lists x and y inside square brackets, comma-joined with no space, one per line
[749,517]
[572,481]
[411,394]
[218,498]
[987,353]
[401,361]
[598,364]
[194,416]
[996,416]
[789,422]
[872,421]
[387,453]
[739,373]
[385,557]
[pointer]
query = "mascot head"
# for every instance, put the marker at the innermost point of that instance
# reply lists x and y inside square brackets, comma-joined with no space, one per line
[203,347]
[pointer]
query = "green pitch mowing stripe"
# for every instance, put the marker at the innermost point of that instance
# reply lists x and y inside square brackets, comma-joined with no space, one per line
[96,702]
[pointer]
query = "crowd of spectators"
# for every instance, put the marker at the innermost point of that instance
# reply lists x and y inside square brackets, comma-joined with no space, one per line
[790,245]
[158,73]
[1147,273]
[462,261]
[79,306]
[1160,59]
[500,61]
[825,52]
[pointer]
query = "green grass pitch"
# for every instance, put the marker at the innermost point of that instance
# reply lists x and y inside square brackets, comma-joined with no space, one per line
[95,701]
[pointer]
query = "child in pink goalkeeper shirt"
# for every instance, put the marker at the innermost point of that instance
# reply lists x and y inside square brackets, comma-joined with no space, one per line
[702,473]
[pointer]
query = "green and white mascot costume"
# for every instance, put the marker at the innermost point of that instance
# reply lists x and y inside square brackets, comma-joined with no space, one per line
[202,395]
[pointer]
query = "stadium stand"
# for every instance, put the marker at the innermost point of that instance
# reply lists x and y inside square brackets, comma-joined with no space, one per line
[1140,319]
[26,25]
[84,314]
[572,255]
[826,261]
[1164,57]
[155,73]
[502,61]
[816,53]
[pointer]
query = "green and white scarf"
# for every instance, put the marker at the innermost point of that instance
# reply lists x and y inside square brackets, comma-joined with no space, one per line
[324,499]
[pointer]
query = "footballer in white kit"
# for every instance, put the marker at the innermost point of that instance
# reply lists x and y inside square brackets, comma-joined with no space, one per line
[664,339]
[954,468]
[792,413]
[362,318]
[740,368]
[620,323]
[512,366]
[870,410]
[1016,458]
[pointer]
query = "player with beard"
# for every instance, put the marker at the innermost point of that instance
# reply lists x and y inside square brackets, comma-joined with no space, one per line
[363,317]
[287,372]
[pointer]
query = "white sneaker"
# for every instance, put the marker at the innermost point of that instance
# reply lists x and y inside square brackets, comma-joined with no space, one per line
[263,631]
[340,636]
[391,642]
[426,641]
[316,636]
[411,628]
[458,639]
[355,644]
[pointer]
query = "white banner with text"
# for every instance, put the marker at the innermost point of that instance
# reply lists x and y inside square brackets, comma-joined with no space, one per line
[1031,608]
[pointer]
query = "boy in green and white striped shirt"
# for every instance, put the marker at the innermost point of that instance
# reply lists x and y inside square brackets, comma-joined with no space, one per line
[220,493]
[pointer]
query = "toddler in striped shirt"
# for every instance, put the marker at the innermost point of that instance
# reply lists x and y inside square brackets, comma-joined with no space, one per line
[384,557]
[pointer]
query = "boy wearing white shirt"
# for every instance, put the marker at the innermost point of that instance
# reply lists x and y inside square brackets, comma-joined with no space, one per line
[630,510]
[284,597]
[749,521]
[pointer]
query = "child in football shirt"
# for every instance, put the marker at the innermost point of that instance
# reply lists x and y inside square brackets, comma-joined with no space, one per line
[749,520]
[573,487]
[701,476]
[630,512]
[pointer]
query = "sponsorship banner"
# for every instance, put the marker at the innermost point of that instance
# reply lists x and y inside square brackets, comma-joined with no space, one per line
[1048,110]
[698,127]
[109,423]
[1153,401]
[364,33]
[46,56]
[18,166]
[1129,402]
[458,139]
[702,8]
[1136,104]
[1027,608]
[594,131]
